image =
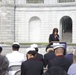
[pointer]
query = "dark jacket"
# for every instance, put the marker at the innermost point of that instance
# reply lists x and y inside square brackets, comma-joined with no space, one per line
[32,67]
[70,56]
[39,56]
[52,38]
[48,57]
[61,61]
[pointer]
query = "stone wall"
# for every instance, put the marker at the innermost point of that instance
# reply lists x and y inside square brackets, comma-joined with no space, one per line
[15,19]
[7,21]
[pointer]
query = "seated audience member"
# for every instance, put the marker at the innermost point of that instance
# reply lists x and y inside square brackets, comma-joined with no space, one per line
[1,49]
[72,68]
[69,54]
[4,63]
[27,50]
[55,71]
[15,58]
[50,55]
[60,60]
[38,55]
[32,66]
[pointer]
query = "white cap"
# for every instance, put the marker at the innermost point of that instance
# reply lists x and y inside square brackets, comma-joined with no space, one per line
[34,46]
[58,46]
[16,43]
[28,49]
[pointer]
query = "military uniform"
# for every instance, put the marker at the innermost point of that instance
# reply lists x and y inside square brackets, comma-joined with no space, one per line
[39,56]
[60,61]
[48,57]
[32,67]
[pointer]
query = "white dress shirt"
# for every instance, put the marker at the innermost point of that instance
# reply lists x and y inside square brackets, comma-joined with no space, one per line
[15,58]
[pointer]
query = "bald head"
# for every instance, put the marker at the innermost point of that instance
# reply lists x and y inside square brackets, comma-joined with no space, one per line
[59,51]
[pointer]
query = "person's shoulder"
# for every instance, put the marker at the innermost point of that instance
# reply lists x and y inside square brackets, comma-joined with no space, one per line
[21,54]
[46,54]
[9,54]
[38,61]
[51,34]
[40,54]
[68,60]
[25,62]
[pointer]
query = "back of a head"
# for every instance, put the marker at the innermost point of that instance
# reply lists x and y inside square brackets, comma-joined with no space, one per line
[49,47]
[36,49]
[31,52]
[0,49]
[4,63]
[56,70]
[59,51]
[15,47]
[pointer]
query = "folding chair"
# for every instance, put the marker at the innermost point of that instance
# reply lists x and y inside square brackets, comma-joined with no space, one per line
[12,69]
[18,72]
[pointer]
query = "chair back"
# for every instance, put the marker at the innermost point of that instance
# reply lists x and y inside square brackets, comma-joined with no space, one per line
[18,72]
[12,69]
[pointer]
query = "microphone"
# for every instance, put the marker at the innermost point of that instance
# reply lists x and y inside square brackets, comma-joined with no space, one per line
[57,37]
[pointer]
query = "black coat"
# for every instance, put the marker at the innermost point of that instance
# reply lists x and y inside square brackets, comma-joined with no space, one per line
[52,38]
[48,57]
[61,61]
[39,56]
[32,67]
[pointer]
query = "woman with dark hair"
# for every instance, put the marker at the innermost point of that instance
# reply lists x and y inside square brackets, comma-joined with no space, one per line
[54,36]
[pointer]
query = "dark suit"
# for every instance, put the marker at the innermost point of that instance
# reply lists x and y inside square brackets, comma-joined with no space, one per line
[48,57]
[61,61]
[52,38]
[32,67]
[39,56]
[70,56]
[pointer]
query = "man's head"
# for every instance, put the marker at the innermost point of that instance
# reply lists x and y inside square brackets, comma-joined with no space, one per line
[31,54]
[15,46]
[0,48]
[59,50]
[49,49]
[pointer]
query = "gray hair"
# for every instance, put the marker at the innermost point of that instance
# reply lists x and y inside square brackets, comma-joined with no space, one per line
[4,63]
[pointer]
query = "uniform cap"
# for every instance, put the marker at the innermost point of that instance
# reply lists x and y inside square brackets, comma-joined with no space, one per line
[34,46]
[58,46]
[28,49]
[16,43]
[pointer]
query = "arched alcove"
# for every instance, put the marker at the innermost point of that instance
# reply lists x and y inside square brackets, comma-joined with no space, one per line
[66,28]
[34,29]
